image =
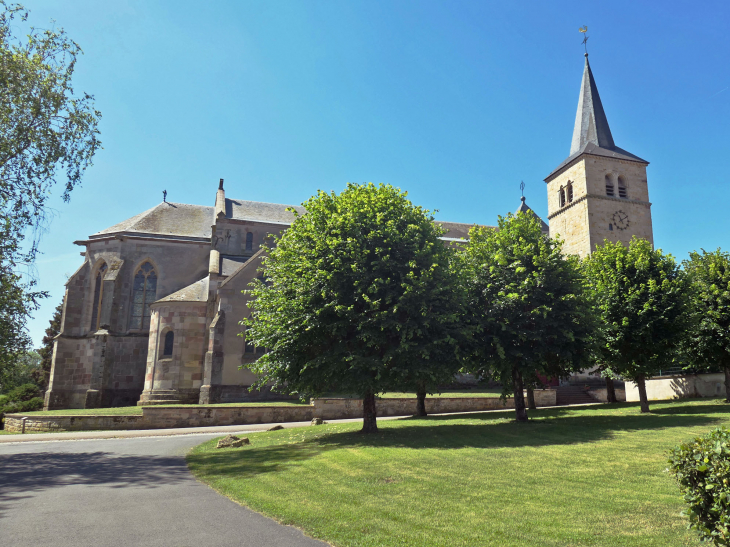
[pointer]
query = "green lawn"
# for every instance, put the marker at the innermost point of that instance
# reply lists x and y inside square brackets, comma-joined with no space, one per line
[588,476]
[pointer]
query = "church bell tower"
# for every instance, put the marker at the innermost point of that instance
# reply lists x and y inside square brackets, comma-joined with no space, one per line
[600,191]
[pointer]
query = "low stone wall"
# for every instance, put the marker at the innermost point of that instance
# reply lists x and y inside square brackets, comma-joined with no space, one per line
[82,422]
[679,387]
[332,409]
[156,417]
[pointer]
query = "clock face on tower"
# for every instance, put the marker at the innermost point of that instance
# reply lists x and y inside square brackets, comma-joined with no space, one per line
[621,220]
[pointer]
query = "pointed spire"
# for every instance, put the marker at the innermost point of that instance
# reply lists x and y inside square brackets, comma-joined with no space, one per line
[591,125]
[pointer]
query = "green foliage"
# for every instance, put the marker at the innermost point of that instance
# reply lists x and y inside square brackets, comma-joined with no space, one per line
[708,343]
[23,398]
[357,299]
[641,296]
[526,306]
[26,392]
[42,374]
[49,135]
[702,468]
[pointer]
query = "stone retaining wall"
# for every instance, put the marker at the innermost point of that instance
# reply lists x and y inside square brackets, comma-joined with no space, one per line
[679,387]
[155,417]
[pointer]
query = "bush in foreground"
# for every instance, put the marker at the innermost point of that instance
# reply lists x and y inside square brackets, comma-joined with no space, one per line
[702,468]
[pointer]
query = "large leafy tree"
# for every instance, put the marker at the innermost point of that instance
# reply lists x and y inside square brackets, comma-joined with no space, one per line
[49,136]
[527,308]
[357,299]
[708,343]
[640,296]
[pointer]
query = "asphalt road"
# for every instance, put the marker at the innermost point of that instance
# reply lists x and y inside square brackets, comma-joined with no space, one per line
[122,492]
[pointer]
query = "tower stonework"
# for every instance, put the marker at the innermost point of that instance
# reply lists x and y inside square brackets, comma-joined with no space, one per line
[600,191]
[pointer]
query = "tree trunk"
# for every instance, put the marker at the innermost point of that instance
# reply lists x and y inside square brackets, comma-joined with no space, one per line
[421,400]
[641,383]
[531,398]
[518,385]
[727,384]
[610,391]
[369,415]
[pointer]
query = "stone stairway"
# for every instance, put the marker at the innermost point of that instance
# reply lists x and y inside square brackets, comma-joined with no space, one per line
[573,395]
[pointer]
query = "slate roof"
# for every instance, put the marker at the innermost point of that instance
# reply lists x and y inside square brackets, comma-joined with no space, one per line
[176,219]
[230,264]
[591,132]
[524,208]
[260,211]
[197,292]
[184,220]
[456,230]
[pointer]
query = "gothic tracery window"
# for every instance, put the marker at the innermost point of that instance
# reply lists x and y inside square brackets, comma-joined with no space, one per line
[143,294]
[98,295]
[249,241]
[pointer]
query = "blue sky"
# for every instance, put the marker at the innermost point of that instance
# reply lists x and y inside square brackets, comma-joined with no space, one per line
[455,102]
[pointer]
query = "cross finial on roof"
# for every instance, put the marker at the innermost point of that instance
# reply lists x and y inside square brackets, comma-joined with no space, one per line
[522,189]
[584,30]
[164,196]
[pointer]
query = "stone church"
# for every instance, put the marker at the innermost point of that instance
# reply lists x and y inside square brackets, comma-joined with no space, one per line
[152,315]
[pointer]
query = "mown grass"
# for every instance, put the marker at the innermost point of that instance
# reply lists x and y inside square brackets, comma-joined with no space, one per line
[584,476]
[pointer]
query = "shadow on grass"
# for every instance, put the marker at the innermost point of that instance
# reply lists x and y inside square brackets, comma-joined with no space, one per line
[429,433]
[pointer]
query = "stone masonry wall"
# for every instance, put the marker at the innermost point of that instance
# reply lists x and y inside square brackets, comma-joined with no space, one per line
[156,417]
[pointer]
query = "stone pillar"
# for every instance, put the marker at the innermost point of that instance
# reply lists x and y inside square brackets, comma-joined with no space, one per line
[210,391]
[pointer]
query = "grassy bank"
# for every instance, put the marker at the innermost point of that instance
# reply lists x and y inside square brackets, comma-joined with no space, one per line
[589,476]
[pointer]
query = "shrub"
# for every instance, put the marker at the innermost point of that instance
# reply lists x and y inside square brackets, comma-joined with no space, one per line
[4,399]
[26,392]
[702,468]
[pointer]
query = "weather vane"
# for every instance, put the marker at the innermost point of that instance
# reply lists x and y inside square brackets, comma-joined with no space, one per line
[584,29]
[522,187]
[164,196]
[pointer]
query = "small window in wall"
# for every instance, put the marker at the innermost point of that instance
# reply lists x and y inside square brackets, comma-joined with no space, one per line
[169,341]
[570,192]
[249,241]
[561,196]
[622,191]
[609,186]
[610,227]
[98,296]
[144,289]
[249,348]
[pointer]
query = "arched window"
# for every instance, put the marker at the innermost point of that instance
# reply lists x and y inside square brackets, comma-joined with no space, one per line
[570,192]
[609,186]
[622,192]
[561,196]
[98,294]
[143,294]
[169,341]
[249,241]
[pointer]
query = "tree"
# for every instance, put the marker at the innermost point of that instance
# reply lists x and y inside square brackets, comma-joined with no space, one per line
[640,296]
[49,136]
[43,372]
[527,306]
[357,298]
[15,305]
[708,343]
